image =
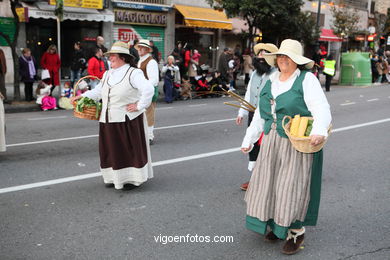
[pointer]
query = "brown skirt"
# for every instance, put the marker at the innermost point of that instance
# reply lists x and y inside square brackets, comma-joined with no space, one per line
[123,144]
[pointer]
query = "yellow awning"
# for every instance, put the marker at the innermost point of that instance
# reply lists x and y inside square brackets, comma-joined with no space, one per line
[204,17]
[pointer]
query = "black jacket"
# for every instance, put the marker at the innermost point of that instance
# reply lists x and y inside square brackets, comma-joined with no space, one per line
[24,70]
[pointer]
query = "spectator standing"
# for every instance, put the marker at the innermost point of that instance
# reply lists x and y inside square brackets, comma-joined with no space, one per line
[96,67]
[247,66]
[171,75]
[134,52]
[28,72]
[155,52]
[379,68]
[186,59]
[3,71]
[100,45]
[78,63]
[329,71]
[223,66]
[149,67]
[51,62]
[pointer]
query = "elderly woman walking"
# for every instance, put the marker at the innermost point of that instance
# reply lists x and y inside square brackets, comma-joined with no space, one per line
[123,137]
[284,190]
[171,75]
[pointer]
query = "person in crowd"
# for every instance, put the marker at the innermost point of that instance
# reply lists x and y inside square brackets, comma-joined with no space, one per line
[187,52]
[96,67]
[149,67]
[317,56]
[28,72]
[223,63]
[78,63]
[123,138]
[44,98]
[134,52]
[385,72]
[155,52]
[81,87]
[3,147]
[217,83]
[177,54]
[196,57]
[100,45]
[387,54]
[3,71]
[201,82]
[51,62]
[234,66]
[374,71]
[256,84]
[379,68]
[193,70]
[247,65]
[185,90]
[171,74]
[329,71]
[284,190]
[66,94]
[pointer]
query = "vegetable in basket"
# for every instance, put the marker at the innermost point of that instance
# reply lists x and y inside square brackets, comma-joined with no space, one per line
[87,102]
[301,126]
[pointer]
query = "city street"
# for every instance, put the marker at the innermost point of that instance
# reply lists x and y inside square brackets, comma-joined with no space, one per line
[54,205]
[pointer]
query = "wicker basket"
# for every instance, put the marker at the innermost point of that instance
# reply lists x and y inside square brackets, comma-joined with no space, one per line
[302,144]
[88,112]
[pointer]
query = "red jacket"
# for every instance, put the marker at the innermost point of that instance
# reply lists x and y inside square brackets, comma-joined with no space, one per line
[187,58]
[96,67]
[52,62]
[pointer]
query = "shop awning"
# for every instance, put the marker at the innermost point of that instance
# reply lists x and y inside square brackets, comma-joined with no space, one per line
[204,17]
[46,11]
[327,35]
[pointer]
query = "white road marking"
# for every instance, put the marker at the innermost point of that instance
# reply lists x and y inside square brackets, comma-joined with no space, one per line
[45,118]
[89,136]
[347,104]
[164,108]
[165,162]
[374,99]
[198,105]
[96,174]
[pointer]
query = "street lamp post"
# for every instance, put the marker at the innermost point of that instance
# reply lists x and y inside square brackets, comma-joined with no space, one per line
[318,13]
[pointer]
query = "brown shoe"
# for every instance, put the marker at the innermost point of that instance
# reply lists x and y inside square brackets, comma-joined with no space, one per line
[271,237]
[294,242]
[244,186]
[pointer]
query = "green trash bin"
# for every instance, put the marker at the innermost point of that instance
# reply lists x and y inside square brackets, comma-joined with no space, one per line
[355,69]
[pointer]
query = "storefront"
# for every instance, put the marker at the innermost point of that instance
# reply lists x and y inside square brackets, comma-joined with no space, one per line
[136,21]
[79,24]
[330,42]
[202,28]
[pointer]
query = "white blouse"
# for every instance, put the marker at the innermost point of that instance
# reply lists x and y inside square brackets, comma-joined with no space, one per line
[315,100]
[137,80]
[151,69]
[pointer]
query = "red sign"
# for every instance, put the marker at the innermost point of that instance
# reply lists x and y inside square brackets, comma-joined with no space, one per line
[126,35]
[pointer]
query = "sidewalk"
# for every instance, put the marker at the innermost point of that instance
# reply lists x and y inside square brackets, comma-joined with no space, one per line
[24,106]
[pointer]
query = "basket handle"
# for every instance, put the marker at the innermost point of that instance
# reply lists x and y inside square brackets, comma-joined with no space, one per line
[77,83]
[283,122]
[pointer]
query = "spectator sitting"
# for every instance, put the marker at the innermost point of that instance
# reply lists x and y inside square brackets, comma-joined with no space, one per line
[185,92]
[44,99]
[66,94]
[217,83]
[202,83]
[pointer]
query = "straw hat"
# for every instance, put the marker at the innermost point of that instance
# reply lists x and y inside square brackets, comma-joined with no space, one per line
[294,50]
[119,48]
[265,46]
[144,43]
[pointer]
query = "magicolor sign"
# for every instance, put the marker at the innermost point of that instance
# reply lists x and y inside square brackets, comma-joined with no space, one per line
[137,17]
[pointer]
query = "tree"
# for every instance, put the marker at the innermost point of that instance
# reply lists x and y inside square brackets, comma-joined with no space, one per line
[276,20]
[345,21]
[12,45]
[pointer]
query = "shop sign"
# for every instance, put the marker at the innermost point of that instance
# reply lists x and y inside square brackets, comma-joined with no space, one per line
[360,38]
[128,5]
[22,13]
[8,27]
[95,4]
[137,17]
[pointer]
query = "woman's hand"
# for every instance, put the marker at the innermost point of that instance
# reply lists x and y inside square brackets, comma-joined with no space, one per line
[132,107]
[239,120]
[316,139]
[246,150]
[74,99]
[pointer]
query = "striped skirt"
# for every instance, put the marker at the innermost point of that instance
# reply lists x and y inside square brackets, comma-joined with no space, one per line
[279,189]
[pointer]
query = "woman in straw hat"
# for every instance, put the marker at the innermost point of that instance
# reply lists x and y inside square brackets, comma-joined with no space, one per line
[123,143]
[284,190]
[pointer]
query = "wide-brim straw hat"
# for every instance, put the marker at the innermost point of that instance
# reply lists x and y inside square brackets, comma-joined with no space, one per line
[144,43]
[294,50]
[265,46]
[119,47]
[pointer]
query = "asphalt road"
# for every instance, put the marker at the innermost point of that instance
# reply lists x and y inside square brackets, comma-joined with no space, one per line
[195,192]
